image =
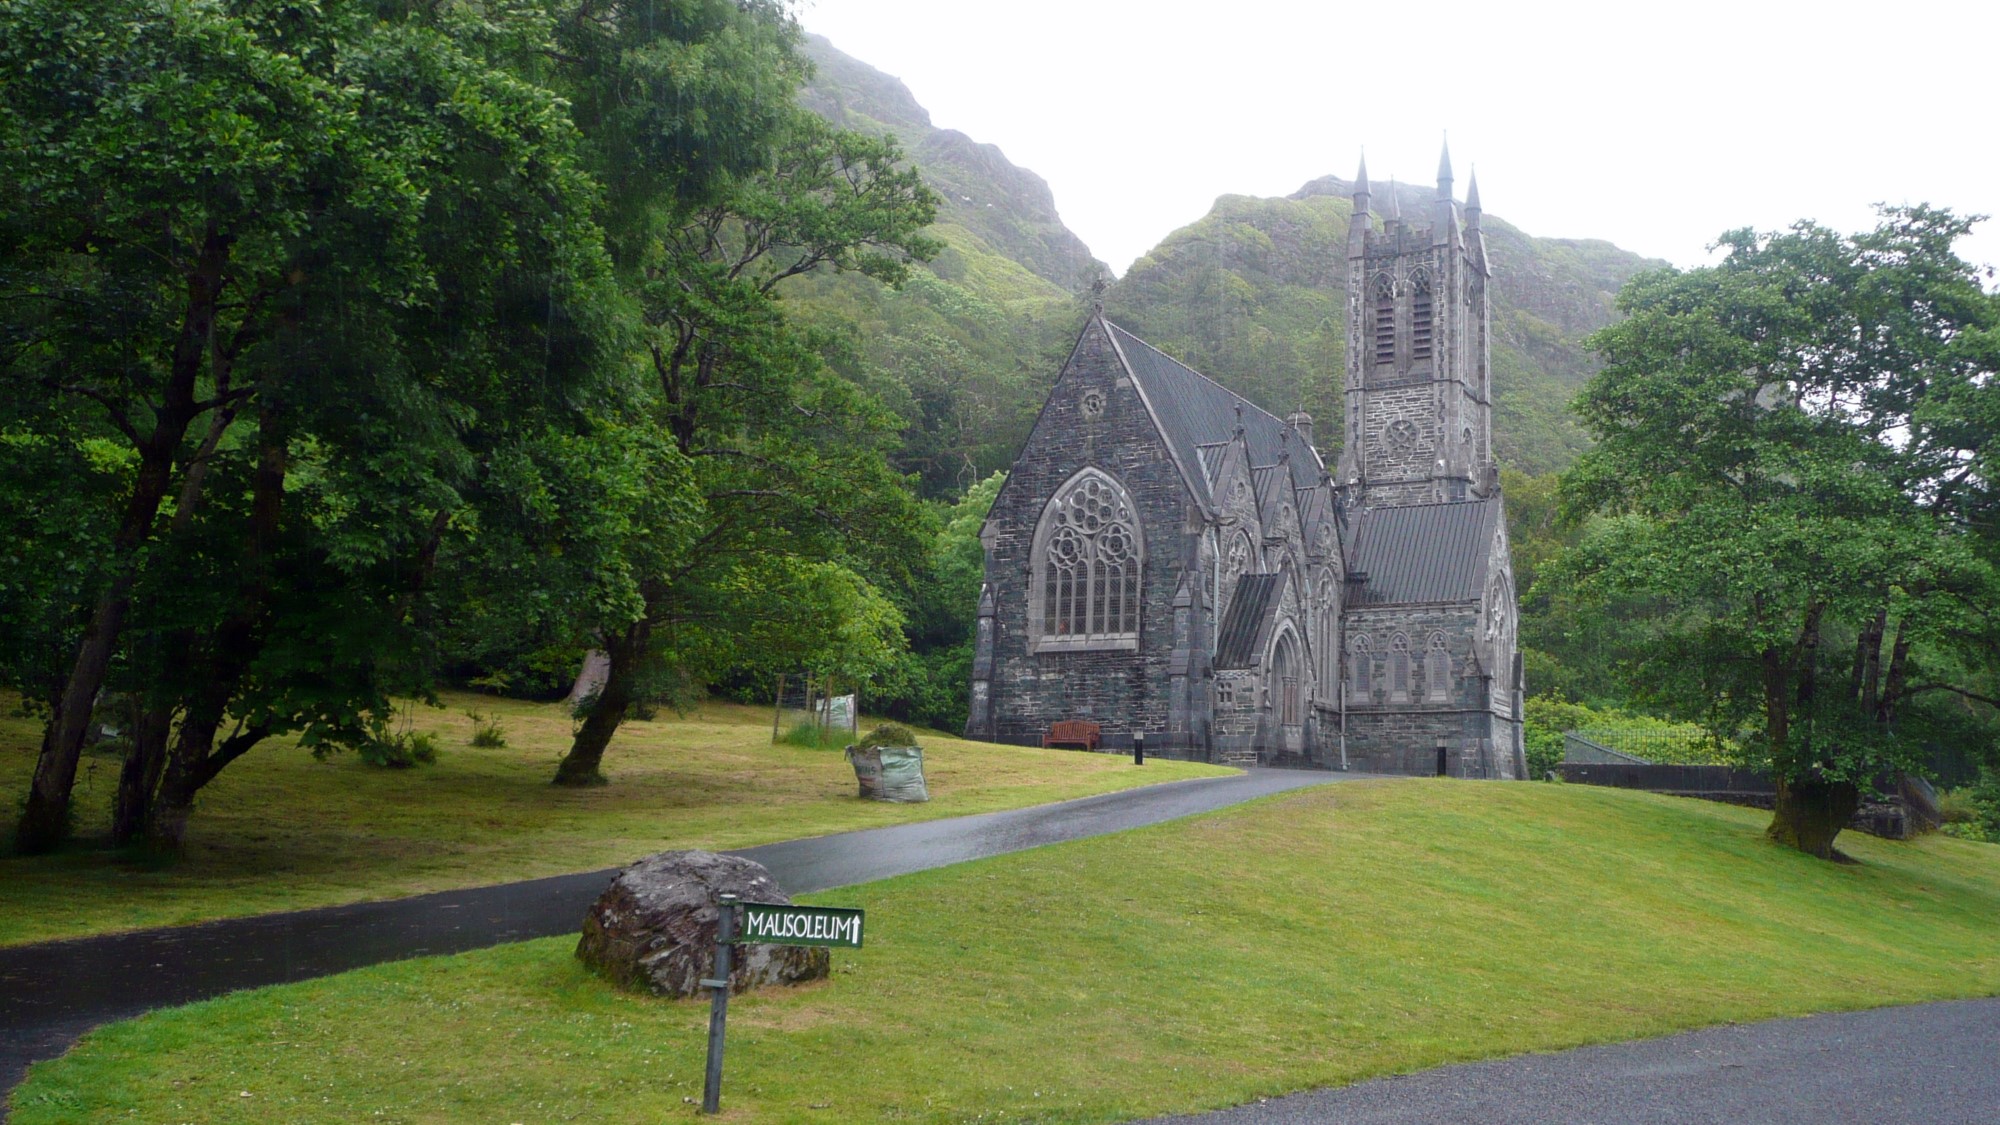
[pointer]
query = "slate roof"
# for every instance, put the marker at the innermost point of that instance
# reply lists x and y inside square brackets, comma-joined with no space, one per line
[1195,410]
[1423,553]
[1255,597]
[1211,459]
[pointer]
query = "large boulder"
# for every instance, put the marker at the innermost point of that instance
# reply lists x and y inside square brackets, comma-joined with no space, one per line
[653,929]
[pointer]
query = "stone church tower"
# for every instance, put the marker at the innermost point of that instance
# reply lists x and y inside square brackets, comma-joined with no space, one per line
[1419,375]
[1169,560]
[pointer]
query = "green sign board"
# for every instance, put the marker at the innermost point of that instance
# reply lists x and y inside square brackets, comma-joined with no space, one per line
[770,923]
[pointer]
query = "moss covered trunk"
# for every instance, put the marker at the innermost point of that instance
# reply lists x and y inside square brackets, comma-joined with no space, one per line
[1809,814]
[581,765]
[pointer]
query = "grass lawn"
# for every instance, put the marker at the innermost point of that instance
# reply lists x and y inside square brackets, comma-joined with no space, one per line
[279,830]
[1308,939]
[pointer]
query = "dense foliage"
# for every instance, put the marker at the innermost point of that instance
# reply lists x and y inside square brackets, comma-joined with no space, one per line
[1793,466]
[351,340]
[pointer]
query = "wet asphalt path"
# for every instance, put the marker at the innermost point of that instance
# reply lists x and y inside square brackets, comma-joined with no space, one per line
[53,992]
[1932,1063]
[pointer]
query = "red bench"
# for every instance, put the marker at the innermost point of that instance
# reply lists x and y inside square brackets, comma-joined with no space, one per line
[1074,732]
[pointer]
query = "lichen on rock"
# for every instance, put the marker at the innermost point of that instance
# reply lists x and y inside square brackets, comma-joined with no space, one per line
[653,930]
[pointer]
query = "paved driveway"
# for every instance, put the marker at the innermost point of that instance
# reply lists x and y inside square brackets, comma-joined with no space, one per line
[1938,1064]
[53,992]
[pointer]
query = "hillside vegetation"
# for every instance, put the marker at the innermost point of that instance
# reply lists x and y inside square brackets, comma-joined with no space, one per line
[1253,294]
[1354,930]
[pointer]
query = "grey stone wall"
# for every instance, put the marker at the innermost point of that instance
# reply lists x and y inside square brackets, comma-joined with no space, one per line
[1388,734]
[1122,690]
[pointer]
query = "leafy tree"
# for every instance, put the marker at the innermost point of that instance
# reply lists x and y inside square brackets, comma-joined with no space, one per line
[928,682]
[1794,458]
[796,496]
[281,267]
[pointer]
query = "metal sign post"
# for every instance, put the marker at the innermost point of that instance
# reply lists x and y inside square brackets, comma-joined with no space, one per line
[718,1010]
[764,923]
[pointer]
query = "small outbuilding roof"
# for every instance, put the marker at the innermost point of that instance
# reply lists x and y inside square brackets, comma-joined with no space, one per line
[1423,553]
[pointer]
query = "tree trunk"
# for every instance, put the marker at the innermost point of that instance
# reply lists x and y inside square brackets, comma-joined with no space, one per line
[1809,814]
[193,765]
[195,759]
[45,817]
[580,766]
[139,780]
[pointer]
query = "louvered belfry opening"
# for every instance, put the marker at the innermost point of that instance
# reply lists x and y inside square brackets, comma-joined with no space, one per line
[1420,315]
[1385,320]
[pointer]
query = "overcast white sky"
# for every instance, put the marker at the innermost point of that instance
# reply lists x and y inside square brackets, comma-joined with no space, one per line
[1654,125]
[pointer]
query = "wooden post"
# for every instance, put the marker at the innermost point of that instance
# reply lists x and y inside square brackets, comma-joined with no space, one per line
[778,708]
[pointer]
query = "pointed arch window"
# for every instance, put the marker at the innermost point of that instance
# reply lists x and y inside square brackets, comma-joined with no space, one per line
[1399,668]
[1361,671]
[1089,556]
[1385,319]
[1326,633]
[1437,670]
[1420,315]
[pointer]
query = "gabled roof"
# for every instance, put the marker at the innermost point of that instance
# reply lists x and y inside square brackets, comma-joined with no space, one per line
[1423,553]
[1255,599]
[1196,411]
[1270,493]
[1211,456]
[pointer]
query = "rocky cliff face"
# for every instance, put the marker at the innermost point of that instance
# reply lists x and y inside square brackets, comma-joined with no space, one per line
[1003,208]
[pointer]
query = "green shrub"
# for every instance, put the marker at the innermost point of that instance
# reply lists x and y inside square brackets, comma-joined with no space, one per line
[1957,806]
[888,734]
[400,751]
[811,736]
[1972,812]
[487,733]
[1545,719]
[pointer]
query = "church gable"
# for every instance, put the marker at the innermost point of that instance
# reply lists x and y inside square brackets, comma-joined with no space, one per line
[1166,557]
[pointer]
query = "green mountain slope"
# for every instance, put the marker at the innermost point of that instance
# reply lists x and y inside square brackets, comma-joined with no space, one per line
[991,206]
[1254,295]
[964,352]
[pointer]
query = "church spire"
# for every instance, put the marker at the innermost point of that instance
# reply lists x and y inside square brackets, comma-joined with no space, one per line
[1395,212]
[1472,201]
[1357,225]
[1444,171]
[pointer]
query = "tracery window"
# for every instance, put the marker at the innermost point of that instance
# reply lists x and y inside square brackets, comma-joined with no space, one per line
[1090,553]
[1437,670]
[1399,668]
[1420,315]
[1361,668]
[1385,319]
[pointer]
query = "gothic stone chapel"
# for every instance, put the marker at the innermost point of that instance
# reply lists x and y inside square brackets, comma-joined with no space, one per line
[1166,558]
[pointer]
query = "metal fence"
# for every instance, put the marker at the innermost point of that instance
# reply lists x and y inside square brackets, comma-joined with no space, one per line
[1686,746]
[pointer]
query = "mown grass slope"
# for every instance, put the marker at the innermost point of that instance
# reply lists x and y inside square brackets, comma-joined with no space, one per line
[280,830]
[1321,937]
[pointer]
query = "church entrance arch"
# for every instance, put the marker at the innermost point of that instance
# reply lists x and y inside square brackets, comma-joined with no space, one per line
[1288,707]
